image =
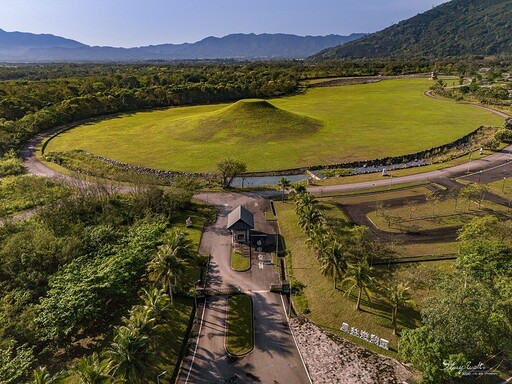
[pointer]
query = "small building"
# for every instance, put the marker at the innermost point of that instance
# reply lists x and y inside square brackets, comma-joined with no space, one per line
[240,223]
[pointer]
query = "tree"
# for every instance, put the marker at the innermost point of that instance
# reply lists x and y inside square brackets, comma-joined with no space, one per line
[42,376]
[156,304]
[131,355]
[303,200]
[319,238]
[169,262]
[285,184]
[15,363]
[397,296]
[333,261]
[360,275]
[229,169]
[418,347]
[474,192]
[309,217]
[93,370]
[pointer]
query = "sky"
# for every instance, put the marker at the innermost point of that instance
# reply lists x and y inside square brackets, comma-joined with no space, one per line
[133,23]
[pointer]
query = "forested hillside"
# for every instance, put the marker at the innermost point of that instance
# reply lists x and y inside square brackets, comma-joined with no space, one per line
[456,28]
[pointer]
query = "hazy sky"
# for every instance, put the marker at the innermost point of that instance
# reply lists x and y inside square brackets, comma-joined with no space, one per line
[131,23]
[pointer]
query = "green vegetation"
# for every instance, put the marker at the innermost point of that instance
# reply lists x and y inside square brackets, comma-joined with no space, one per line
[468,318]
[20,193]
[239,338]
[326,306]
[435,214]
[391,298]
[371,123]
[240,262]
[79,268]
[481,28]
[10,165]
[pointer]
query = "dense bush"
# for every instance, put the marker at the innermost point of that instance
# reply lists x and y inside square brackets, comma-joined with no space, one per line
[11,165]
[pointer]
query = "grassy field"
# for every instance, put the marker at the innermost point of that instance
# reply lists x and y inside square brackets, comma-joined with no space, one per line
[329,307]
[443,214]
[323,125]
[240,339]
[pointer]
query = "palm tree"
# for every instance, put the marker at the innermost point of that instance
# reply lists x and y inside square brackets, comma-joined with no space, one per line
[42,376]
[169,262]
[319,238]
[92,370]
[131,355]
[165,268]
[309,217]
[361,277]
[285,184]
[333,261]
[304,200]
[397,296]
[156,304]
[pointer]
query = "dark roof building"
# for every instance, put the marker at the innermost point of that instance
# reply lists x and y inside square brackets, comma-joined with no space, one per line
[240,222]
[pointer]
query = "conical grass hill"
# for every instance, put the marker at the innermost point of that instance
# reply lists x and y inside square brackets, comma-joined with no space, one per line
[250,119]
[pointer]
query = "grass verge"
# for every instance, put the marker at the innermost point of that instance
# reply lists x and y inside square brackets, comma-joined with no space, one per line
[240,336]
[329,307]
[239,262]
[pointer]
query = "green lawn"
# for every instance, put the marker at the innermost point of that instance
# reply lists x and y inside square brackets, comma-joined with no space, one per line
[329,307]
[441,215]
[323,125]
[240,337]
[239,262]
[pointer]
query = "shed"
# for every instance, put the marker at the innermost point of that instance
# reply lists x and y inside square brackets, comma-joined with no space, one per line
[240,223]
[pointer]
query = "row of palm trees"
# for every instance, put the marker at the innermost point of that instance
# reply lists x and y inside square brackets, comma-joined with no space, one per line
[135,355]
[346,259]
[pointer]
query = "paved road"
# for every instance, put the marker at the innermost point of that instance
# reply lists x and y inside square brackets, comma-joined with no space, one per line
[275,358]
[494,167]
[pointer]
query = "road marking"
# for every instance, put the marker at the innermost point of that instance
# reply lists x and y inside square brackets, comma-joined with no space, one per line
[295,340]
[264,291]
[260,256]
[260,265]
[197,341]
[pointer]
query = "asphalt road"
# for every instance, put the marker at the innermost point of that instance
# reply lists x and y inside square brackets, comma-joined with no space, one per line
[275,358]
[490,168]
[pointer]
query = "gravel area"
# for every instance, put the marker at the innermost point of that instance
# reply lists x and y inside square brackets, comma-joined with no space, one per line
[331,359]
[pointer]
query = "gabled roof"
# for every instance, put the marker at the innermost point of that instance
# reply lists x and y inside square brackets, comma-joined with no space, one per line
[240,219]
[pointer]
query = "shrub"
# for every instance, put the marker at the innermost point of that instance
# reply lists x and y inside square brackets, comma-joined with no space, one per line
[10,165]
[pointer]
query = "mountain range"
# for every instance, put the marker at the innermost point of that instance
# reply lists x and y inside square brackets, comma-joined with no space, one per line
[29,47]
[456,28]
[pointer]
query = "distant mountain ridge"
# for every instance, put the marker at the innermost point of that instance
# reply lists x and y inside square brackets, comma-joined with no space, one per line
[28,47]
[455,28]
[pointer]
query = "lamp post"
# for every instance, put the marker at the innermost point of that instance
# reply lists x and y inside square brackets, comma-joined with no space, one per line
[503,186]
[160,375]
[479,176]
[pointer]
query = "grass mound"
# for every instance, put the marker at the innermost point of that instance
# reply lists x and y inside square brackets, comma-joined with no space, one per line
[251,119]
